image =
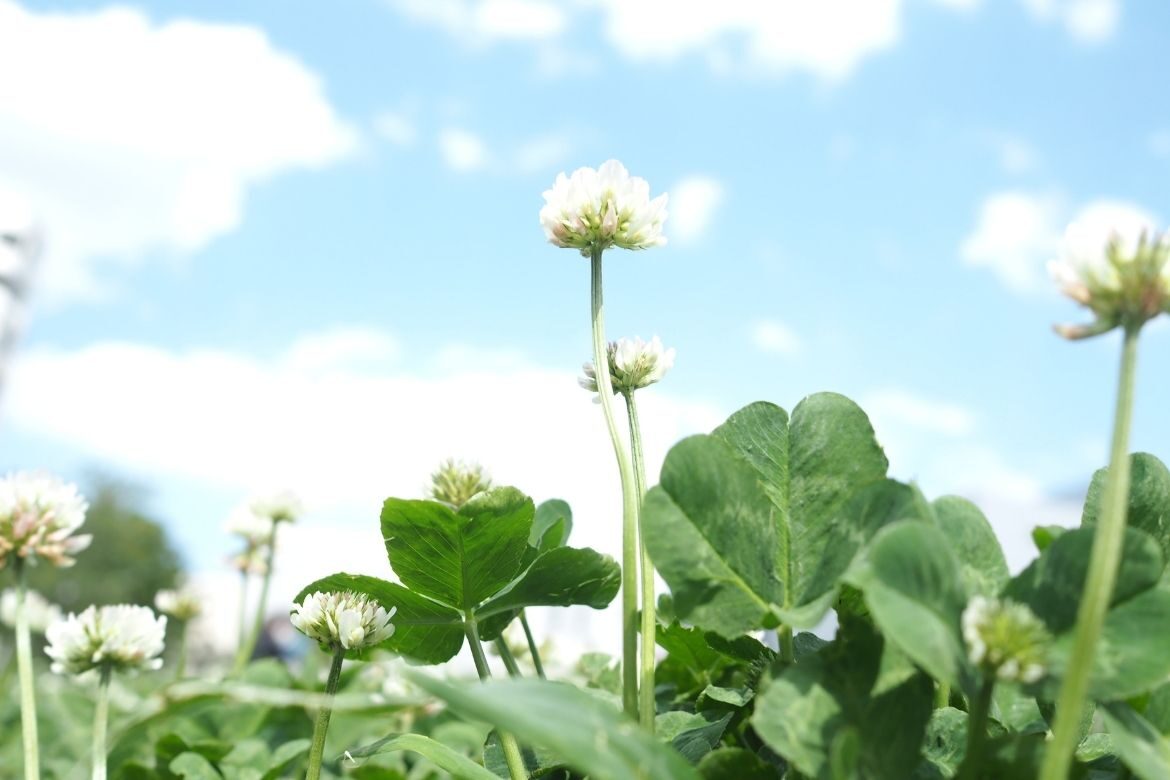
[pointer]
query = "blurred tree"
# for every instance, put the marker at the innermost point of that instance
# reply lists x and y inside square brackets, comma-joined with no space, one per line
[129,561]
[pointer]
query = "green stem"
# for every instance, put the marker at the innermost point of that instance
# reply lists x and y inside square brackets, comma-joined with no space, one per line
[181,661]
[629,499]
[246,650]
[787,645]
[532,649]
[243,635]
[1103,563]
[512,755]
[942,695]
[646,703]
[317,751]
[24,668]
[977,730]
[507,657]
[101,717]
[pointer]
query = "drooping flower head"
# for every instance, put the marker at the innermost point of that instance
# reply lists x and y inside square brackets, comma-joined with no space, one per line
[119,637]
[455,482]
[343,620]
[1006,639]
[596,209]
[633,364]
[40,611]
[38,517]
[183,604]
[1113,261]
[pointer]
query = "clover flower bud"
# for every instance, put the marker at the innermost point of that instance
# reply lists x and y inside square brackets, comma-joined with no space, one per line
[343,620]
[1005,639]
[633,364]
[38,517]
[455,482]
[181,604]
[40,611]
[592,210]
[119,637]
[1114,262]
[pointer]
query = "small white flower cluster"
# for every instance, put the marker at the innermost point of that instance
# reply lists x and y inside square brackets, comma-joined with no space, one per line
[348,620]
[1005,639]
[119,637]
[1114,261]
[38,517]
[455,482]
[255,522]
[183,604]
[633,364]
[41,612]
[592,210]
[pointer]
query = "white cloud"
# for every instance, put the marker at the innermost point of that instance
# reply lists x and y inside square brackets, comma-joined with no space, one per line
[775,338]
[693,202]
[900,407]
[1016,233]
[480,21]
[462,150]
[147,136]
[396,128]
[1087,21]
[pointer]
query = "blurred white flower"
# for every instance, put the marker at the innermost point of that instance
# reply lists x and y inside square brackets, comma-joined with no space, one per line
[183,604]
[348,620]
[119,637]
[255,529]
[41,612]
[250,561]
[283,506]
[633,364]
[38,515]
[1005,639]
[596,209]
[1114,261]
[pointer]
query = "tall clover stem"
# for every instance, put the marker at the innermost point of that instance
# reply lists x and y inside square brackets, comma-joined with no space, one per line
[646,704]
[507,657]
[1103,563]
[24,668]
[181,661]
[629,499]
[977,730]
[532,649]
[101,717]
[512,755]
[321,727]
[249,647]
[243,635]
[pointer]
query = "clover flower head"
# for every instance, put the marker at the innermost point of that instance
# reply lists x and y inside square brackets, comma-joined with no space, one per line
[633,364]
[1005,639]
[343,620]
[281,507]
[251,561]
[455,482]
[255,529]
[40,611]
[1113,261]
[39,514]
[592,210]
[119,637]
[183,604]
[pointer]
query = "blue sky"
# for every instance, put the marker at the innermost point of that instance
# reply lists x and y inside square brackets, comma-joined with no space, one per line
[298,243]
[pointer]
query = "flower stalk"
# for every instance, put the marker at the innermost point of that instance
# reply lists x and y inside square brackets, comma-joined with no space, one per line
[629,496]
[28,700]
[321,727]
[646,702]
[248,647]
[1103,564]
[977,729]
[101,716]
[512,756]
[532,649]
[507,657]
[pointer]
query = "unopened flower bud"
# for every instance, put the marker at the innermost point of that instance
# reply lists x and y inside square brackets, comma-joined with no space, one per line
[456,482]
[1005,639]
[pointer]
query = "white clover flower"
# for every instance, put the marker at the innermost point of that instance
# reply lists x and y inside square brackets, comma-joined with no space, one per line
[40,611]
[38,517]
[1114,261]
[455,482]
[596,209]
[119,637]
[348,620]
[250,561]
[183,604]
[280,507]
[633,364]
[1005,639]
[255,529]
